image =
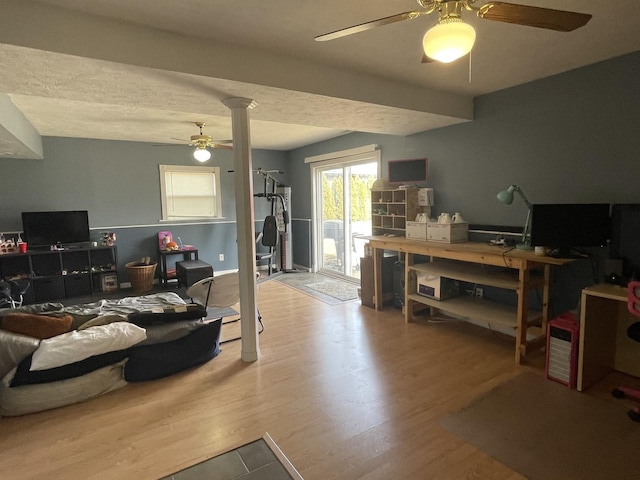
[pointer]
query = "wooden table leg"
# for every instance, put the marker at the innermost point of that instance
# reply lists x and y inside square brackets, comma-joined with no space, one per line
[378,299]
[409,286]
[546,289]
[523,310]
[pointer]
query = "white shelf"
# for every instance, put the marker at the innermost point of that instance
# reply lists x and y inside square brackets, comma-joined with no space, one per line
[482,310]
[472,273]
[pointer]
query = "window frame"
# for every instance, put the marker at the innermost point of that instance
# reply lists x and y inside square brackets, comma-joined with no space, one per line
[215,197]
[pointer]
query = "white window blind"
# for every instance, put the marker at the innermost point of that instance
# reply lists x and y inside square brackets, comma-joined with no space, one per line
[190,192]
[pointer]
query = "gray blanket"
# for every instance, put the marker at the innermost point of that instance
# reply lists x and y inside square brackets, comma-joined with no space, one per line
[125,306]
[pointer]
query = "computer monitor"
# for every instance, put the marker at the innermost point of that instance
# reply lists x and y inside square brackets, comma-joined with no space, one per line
[565,227]
[625,238]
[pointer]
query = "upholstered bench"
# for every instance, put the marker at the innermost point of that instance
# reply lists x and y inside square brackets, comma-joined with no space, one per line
[189,272]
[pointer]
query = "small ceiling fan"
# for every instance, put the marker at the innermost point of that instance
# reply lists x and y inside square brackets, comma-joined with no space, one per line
[451,38]
[202,142]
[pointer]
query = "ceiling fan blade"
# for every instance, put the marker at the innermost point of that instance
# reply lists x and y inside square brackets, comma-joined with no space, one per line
[369,25]
[533,16]
[180,139]
[221,141]
[217,145]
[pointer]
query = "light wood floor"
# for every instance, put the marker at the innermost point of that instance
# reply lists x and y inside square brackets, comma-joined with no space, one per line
[346,392]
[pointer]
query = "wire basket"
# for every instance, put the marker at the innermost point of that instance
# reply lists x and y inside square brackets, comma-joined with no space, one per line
[141,275]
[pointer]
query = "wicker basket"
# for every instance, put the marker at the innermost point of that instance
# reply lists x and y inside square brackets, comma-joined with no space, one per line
[141,275]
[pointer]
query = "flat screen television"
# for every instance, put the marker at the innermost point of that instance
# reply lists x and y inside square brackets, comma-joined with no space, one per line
[43,229]
[625,237]
[565,227]
[408,171]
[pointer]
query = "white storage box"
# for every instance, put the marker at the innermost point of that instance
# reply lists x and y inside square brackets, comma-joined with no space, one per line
[447,232]
[435,286]
[416,230]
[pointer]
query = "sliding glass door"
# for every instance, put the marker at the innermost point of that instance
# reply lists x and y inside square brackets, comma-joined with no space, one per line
[343,213]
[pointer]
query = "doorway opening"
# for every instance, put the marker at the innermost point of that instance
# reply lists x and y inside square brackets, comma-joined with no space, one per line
[343,213]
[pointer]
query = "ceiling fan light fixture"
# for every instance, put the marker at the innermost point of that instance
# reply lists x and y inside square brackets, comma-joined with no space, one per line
[448,40]
[201,154]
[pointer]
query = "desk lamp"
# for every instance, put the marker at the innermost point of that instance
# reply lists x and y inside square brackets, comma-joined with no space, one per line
[506,196]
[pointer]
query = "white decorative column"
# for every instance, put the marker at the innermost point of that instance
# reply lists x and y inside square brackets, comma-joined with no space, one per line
[243,180]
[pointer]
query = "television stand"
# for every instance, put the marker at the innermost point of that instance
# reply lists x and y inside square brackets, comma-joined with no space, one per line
[72,246]
[59,274]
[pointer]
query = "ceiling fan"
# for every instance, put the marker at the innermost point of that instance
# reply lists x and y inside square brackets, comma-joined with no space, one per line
[451,38]
[202,142]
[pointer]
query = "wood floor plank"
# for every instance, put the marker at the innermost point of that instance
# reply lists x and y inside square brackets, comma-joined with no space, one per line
[347,392]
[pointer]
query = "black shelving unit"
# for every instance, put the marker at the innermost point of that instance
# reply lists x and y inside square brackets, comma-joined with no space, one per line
[59,274]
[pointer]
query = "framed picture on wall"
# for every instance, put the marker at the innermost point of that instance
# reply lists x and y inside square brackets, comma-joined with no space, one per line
[415,170]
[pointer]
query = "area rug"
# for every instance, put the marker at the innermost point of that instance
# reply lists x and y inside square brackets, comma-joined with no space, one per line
[260,459]
[323,287]
[545,431]
[343,291]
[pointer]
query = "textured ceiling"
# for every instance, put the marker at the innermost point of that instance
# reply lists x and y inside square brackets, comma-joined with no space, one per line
[146,70]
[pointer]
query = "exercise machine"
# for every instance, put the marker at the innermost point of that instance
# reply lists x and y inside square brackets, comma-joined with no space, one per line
[276,232]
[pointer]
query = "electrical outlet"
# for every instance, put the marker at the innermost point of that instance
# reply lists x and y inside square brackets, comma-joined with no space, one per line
[479,292]
[221,257]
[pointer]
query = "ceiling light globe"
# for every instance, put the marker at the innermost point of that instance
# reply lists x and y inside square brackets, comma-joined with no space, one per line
[448,41]
[201,154]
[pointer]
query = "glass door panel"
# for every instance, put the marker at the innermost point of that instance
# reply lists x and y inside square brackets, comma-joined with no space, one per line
[344,210]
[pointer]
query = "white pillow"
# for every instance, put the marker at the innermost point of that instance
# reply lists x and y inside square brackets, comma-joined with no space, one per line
[80,344]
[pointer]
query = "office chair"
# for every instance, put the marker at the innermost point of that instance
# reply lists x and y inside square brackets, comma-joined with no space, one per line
[633,332]
[12,292]
[269,238]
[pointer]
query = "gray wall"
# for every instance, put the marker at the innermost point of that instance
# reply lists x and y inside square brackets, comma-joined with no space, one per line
[118,183]
[570,138]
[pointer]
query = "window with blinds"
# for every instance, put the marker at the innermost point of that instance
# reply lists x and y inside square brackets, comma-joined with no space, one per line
[190,192]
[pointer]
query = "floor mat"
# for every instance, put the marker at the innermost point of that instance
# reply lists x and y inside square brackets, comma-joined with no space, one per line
[546,431]
[323,287]
[343,291]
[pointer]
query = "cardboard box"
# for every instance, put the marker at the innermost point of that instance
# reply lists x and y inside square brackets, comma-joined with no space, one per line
[366,279]
[416,230]
[425,197]
[447,232]
[435,286]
